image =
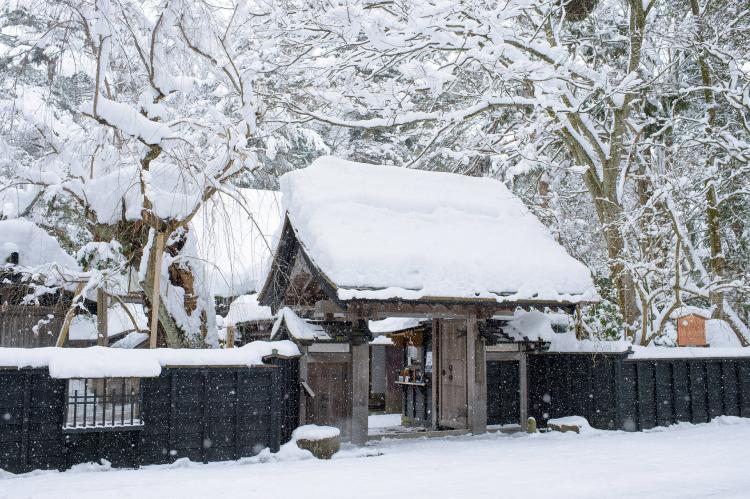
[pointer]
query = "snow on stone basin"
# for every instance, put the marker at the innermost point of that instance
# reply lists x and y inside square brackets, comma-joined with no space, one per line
[381,232]
[577,421]
[100,362]
[708,460]
[315,432]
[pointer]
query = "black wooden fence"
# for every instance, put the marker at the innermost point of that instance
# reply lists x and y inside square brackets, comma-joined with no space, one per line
[614,392]
[202,413]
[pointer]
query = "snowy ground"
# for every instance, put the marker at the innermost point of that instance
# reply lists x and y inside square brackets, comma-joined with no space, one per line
[710,460]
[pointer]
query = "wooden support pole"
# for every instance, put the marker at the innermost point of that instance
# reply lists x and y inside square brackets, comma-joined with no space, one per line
[155,297]
[63,336]
[523,399]
[360,392]
[303,373]
[102,307]
[436,378]
[476,378]
[230,336]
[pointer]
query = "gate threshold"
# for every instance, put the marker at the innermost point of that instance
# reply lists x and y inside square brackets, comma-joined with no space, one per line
[405,435]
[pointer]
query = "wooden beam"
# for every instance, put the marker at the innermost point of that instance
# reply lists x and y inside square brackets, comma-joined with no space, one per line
[102,306]
[156,297]
[360,392]
[523,399]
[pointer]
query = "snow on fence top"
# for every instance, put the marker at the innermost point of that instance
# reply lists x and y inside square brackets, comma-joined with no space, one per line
[103,362]
[234,232]
[380,232]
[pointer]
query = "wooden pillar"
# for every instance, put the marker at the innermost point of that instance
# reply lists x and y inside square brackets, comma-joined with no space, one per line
[523,399]
[476,378]
[102,306]
[436,377]
[360,392]
[303,371]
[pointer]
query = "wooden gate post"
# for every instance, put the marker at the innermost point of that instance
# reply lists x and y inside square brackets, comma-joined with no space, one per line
[360,391]
[523,399]
[303,373]
[476,378]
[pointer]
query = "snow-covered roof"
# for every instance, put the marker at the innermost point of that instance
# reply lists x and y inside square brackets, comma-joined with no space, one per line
[393,324]
[689,310]
[234,232]
[380,232]
[299,329]
[83,327]
[99,362]
[32,243]
[246,308]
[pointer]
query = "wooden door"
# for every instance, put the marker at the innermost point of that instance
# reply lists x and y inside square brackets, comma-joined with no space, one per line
[453,404]
[331,382]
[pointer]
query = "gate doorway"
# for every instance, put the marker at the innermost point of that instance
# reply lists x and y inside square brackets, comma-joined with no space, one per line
[453,409]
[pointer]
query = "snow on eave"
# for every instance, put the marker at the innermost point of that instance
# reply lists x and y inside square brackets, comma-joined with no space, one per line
[104,362]
[394,324]
[299,329]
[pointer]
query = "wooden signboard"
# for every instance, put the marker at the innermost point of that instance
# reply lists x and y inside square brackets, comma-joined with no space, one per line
[691,331]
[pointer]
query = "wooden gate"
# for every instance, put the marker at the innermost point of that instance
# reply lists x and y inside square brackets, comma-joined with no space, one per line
[453,403]
[331,382]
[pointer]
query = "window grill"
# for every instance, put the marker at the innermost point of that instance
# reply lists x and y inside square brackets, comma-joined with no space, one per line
[103,403]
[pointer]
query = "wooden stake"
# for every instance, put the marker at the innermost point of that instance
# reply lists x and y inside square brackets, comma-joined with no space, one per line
[230,336]
[102,306]
[68,318]
[155,298]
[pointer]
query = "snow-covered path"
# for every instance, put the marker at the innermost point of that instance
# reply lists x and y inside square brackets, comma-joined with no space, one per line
[710,460]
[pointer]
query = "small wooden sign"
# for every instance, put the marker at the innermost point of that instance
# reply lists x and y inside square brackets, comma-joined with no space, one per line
[691,331]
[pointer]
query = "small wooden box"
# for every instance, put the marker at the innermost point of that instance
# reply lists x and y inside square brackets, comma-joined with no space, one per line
[691,331]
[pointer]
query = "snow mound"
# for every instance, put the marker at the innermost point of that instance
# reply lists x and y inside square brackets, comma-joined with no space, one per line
[383,232]
[103,362]
[315,432]
[34,246]
[719,334]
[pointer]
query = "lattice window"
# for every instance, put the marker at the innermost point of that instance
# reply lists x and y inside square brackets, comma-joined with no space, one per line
[103,403]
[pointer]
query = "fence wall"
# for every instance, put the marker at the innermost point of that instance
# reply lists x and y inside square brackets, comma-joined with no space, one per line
[204,414]
[613,392]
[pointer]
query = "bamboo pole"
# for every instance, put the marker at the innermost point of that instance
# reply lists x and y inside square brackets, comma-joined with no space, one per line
[155,298]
